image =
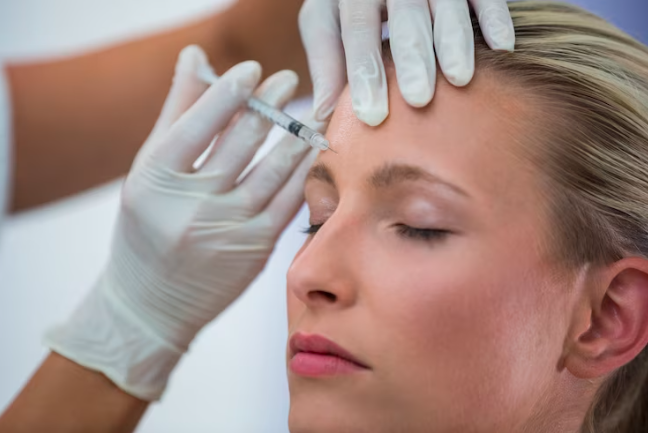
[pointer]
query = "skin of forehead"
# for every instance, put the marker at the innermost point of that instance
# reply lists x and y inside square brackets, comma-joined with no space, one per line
[485,123]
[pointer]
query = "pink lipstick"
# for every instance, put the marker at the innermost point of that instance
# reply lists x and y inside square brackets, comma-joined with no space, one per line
[316,356]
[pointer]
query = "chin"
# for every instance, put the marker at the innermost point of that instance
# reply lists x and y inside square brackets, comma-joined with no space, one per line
[314,414]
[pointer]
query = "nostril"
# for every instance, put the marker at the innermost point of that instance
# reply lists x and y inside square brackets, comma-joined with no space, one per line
[322,295]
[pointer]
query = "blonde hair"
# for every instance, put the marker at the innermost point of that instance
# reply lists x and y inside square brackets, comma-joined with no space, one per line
[591,80]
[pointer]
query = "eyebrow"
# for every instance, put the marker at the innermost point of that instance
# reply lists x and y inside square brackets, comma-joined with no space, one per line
[319,171]
[388,175]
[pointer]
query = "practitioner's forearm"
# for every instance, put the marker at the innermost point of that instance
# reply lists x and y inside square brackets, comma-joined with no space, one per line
[64,397]
[78,122]
[280,47]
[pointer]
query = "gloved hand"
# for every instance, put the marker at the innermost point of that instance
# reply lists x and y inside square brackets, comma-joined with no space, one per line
[188,241]
[333,29]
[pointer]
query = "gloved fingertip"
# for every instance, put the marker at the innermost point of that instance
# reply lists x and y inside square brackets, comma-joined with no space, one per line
[459,76]
[372,116]
[501,38]
[369,96]
[497,27]
[418,96]
[246,75]
[278,88]
[458,65]
[416,82]
[509,48]
[289,78]
[190,59]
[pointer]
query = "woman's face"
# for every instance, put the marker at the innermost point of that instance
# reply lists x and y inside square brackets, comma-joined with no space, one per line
[429,268]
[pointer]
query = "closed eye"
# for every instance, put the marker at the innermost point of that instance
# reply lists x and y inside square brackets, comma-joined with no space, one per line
[421,234]
[403,230]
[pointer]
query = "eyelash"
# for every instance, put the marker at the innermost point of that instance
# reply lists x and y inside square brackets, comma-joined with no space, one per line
[312,229]
[427,235]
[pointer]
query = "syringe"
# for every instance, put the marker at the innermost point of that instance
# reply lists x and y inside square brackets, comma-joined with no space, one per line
[278,117]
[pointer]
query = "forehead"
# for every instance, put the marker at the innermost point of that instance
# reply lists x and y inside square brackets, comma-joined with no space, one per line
[471,137]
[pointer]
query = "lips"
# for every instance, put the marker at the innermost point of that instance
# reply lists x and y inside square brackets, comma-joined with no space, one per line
[316,356]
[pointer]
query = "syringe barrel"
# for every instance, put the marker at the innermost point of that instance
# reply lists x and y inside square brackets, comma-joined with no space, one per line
[278,117]
[275,116]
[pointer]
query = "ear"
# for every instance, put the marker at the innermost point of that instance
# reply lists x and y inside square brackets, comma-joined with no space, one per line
[618,321]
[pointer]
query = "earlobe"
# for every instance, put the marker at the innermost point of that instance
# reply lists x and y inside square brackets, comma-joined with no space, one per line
[618,329]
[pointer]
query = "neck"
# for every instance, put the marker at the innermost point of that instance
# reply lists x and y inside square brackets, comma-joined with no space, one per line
[563,406]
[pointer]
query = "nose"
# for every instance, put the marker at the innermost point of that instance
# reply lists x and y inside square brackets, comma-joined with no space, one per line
[322,275]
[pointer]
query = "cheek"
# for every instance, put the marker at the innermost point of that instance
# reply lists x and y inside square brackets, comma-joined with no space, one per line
[468,326]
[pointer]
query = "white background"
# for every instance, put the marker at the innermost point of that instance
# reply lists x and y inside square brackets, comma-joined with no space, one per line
[234,378]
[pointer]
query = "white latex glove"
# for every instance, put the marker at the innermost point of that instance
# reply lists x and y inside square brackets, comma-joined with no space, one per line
[188,242]
[339,33]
